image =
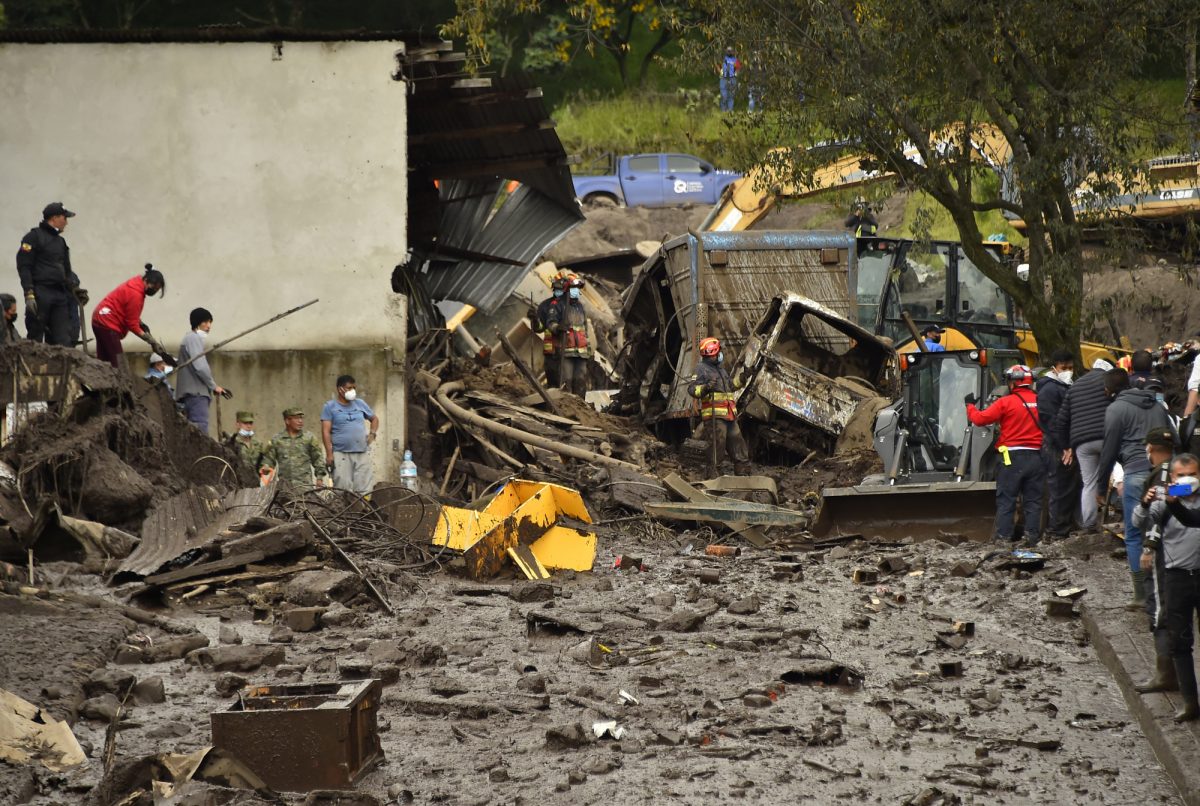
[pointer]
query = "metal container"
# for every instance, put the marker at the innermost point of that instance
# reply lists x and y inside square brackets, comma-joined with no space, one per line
[303,737]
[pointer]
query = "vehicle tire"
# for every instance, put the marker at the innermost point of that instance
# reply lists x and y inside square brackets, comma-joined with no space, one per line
[601,200]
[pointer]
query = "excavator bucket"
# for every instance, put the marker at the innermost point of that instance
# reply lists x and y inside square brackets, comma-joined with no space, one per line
[929,510]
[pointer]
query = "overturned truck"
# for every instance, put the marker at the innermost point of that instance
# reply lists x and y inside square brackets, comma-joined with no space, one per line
[780,300]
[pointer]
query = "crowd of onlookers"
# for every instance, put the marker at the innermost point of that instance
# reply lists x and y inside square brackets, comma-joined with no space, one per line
[1108,441]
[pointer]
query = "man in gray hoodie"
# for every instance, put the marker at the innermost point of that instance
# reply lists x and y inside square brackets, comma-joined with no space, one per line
[194,385]
[1131,415]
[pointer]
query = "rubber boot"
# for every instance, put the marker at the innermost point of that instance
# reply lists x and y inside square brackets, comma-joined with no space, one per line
[1138,602]
[1164,678]
[1185,670]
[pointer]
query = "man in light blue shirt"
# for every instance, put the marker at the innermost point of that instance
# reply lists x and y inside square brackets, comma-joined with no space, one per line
[932,336]
[344,429]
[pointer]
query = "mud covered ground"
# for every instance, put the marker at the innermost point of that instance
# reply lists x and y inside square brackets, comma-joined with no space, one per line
[493,688]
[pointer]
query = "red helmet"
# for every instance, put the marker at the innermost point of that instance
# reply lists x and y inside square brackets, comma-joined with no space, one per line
[1019,375]
[709,347]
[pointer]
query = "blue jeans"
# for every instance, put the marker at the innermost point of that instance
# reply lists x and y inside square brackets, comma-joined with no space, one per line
[1130,495]
[195,408]
[728,86]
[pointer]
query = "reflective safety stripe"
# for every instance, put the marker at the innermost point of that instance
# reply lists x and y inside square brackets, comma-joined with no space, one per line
[548,343]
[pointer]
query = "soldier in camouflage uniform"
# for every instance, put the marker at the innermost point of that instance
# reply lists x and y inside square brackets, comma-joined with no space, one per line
[296,454]
[249,449]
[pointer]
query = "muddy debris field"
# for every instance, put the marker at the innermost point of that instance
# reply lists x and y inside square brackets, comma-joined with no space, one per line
[177,635]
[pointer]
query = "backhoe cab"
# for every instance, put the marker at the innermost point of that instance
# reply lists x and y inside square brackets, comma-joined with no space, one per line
[939,471]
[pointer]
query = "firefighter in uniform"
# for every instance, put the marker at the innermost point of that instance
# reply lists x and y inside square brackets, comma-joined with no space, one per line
[1022,471]
[540,317]
[568,323]
[713,387]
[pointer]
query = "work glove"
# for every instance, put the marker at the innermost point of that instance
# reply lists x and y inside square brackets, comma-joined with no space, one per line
[81,295]
[145,327]
[532,314]
[970,399]
[228,395]
[167,358]
[31,305]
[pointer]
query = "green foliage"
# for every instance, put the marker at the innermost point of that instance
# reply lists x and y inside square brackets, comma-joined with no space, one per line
[930,90]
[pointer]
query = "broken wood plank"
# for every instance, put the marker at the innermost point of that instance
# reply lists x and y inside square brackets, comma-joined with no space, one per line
[524,369]
[489,399]
[204,569]
[273,542]
[274,573]
[678,485]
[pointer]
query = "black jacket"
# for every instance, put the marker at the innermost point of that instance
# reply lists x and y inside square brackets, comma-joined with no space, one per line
[1126,422]
[1080,418]
[1050,395]
[44,259]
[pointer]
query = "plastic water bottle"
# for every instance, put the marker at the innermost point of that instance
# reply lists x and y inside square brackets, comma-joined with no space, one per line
[408,472]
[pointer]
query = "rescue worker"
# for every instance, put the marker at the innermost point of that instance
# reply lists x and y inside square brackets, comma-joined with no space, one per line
[295,454]
[120,313]
[932,336]
[714,388]
[1021,472]
[51,288]
[1179,514]
[8,328]
[862,220]
[1160,448]
[539,317]
[568,323]
[729,69]
[248,448]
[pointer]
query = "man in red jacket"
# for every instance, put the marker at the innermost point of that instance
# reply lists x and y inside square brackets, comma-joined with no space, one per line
[120,313]
[1021,471]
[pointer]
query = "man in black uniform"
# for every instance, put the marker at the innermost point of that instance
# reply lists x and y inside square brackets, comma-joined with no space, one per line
[51,288]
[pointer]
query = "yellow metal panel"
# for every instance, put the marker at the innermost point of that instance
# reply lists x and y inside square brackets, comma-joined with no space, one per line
[528,563]
[566,549]
[570,503]
[459,529]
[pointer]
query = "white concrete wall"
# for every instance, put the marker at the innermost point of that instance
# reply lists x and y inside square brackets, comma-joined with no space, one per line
[254,180]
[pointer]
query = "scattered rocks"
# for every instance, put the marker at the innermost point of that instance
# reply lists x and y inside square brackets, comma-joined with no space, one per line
[244,658]
[280,634]
[321,587]
[682,620]
[303,619]
[173,648]
[757,701]
[745,606]
[169,730]
[103,708]
[150,691]
[567,737]
[965,568]
[228,635]
[108,681]
[229,684]
[666,600]
[532,591]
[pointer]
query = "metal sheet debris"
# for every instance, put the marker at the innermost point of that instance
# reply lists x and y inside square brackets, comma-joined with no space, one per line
[29,735]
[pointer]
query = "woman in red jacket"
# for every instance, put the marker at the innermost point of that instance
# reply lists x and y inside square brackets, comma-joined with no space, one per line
[120,313]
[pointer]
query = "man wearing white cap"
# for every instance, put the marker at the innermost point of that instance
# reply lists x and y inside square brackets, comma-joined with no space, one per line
[1080,426]
[159,371]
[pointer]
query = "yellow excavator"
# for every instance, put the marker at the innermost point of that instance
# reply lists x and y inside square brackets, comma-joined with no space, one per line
[1169,186]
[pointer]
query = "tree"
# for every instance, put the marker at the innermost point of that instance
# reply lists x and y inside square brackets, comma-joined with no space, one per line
[1056,80]
[550,25]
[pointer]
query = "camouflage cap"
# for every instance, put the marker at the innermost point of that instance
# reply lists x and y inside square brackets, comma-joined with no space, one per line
[245,416]
[294,411]
[1160,438]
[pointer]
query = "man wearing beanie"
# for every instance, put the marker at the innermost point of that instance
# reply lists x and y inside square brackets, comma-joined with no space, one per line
[195,385]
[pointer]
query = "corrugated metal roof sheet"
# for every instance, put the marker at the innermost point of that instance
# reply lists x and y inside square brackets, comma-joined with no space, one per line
[189,521]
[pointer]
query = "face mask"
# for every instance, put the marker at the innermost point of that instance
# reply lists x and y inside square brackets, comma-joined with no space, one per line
[245,432]
[350,394]
[1158,396]
[1065,375]
[721,357]
[574,293]
[557,292]
[203,334]
[168,370]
